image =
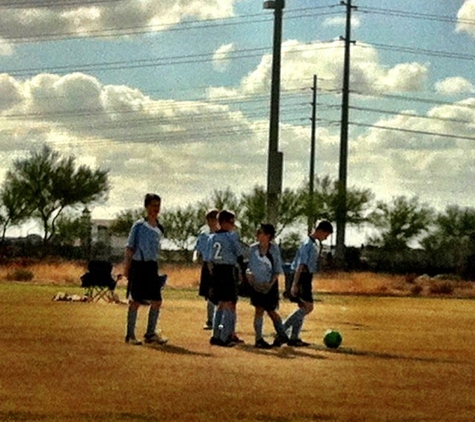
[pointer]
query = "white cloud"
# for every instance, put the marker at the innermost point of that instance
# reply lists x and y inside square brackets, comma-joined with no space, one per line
[29,22]
[183,149]
[341,21]
[6,49]
[465,17]
[300,61]
[454,85]
[221,93]
[10,92]
[221,57]
[435,168]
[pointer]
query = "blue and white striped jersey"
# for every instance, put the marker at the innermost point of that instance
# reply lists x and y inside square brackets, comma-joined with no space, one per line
[263,267]
[223,247]
[144,240]
[307,255]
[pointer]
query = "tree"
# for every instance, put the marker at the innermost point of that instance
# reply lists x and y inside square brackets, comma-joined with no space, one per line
[252,213]
[69,228]
[13,211]
[325,201]
[451,244]
[400,222]
[47,183]
[221,200]
[182,226]
[125,219]
[251,209]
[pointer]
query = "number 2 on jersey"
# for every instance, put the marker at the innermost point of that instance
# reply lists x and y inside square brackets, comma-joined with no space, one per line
[217,251]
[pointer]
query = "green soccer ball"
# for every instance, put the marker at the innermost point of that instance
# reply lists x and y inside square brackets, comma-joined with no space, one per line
[332,339]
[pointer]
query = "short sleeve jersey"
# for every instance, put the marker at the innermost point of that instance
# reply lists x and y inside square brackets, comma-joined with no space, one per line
[265,267]
[202,242]
[144,239]
[307,255]
[223,247]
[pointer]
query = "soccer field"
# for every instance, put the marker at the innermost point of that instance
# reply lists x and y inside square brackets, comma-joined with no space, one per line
[402,359]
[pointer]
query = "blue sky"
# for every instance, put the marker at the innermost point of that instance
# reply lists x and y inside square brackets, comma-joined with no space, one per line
[175,99]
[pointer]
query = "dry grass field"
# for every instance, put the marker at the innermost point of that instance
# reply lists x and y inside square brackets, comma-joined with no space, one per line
[403,358]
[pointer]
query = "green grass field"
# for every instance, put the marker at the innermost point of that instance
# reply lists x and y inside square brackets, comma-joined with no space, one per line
[402,359]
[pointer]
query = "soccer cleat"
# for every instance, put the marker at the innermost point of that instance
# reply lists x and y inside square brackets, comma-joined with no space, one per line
[228,343]
[218,342]
[208,326]
[262,344]
[133,341]
[235,339]
[155,338]
[214,341]
[298,343]
[280,340]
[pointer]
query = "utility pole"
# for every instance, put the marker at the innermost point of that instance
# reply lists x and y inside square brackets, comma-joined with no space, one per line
[341,211]
[275,158]
[311,201]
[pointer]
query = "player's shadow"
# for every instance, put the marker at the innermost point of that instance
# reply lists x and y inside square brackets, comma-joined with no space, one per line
[284,352]
[177,350]
[379,355]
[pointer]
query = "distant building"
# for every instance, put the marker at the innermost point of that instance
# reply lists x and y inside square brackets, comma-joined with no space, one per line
[104,244]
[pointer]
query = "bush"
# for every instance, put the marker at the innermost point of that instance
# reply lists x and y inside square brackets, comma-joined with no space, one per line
[20,274]
[416,290]
[443,288]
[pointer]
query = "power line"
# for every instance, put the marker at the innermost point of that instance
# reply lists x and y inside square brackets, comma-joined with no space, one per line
[53,4]
[418,51]
[162,61]
[412,99]
[414,115]
[414,15]
[169,26]
[414,131]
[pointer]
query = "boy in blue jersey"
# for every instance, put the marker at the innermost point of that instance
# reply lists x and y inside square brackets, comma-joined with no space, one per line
[223,253]
[205,276]
[264,267]
[141,269]
[304,265]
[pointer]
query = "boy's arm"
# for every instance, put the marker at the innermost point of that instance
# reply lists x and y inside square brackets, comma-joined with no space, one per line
[129,253]
[294,290]
[196,256]
[242,266]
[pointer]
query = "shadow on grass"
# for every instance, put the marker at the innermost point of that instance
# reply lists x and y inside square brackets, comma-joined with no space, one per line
[177,350]
[90,416]
[379,355]
[284,352]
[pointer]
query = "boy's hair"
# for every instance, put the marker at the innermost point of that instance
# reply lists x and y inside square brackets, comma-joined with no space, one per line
[149,197]
[268,229]
[224,216]
[212,214]
[325,226]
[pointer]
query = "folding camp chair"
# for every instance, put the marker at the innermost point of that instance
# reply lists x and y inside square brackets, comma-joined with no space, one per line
[98,281]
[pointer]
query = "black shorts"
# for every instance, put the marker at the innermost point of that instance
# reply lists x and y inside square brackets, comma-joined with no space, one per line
[305,289]
[144,283]
[224,283]
[268,301]
[205,281]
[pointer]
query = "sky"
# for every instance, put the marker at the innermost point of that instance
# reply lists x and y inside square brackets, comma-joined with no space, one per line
[172,96]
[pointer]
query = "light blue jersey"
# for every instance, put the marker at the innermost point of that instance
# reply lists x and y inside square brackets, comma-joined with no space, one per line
[202,242]
[265,267]
[223,248]
[144,240]
[307,255]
